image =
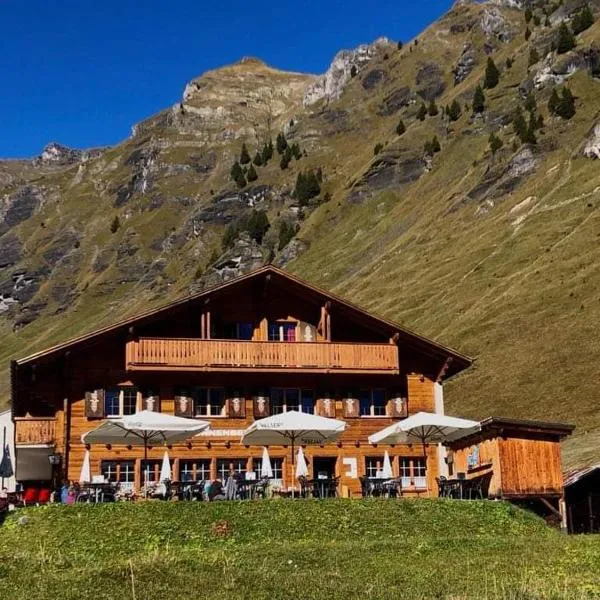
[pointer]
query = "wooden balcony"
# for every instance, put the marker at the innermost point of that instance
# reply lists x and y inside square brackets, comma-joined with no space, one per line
[235,355]
[35,431]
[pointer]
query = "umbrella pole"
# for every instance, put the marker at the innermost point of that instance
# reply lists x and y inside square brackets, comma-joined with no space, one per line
[293,464]
[426,469]
[3,449]
[145,465]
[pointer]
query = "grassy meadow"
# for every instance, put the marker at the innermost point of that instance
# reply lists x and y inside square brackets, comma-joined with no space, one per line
[290,549]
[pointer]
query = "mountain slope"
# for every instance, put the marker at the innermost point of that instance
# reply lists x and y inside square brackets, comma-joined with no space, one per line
[494,254]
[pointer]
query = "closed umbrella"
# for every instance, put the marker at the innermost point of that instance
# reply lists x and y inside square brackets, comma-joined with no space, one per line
[165,468]
[85,476]
[301,466]
[6,468]
[266,470]
[387,472]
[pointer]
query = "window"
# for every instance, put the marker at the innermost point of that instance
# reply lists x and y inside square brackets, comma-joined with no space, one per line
[373,465]
[413,472]
[280,331]
[120,401]
[194,470]
[223,466]
[419,473]
[239,331]
[285,399]
[276,467]
[209,402]
[121,471]
[405,472]
[372,403]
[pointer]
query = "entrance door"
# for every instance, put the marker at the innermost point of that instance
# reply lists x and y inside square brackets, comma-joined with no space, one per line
[324,467]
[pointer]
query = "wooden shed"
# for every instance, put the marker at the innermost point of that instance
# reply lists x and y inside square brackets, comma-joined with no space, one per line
[520,457]
[582,496]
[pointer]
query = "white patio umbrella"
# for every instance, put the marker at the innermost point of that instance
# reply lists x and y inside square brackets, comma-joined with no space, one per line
[165,468]
[387,472]
[301,466]
[426,428]
[85,476]
[266,470]
[293,427]
[145,428]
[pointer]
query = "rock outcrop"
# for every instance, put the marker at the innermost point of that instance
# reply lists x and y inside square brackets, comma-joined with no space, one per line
[331,84]
[55,153]
[591,148]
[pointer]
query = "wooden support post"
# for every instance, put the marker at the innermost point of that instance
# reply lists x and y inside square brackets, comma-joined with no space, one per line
[562,508]
[328,327]
[203,326]
[208,324]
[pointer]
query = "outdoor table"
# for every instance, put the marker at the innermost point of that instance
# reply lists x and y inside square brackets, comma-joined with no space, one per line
[383,486]
[97,489]
[453,488]
[323,487]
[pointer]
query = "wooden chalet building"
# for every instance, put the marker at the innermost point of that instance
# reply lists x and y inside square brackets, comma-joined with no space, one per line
[261,344]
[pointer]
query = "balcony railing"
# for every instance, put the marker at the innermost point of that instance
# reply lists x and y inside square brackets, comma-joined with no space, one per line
[227,355]
[35,430]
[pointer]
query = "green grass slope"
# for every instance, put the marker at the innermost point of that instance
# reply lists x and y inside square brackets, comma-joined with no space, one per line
[280,549]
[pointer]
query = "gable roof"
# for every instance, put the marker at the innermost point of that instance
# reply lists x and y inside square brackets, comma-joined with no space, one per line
[455,361]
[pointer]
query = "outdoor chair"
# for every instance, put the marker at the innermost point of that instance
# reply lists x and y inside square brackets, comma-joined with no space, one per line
[305,487]
[366,487]
[478,487]
[260,488]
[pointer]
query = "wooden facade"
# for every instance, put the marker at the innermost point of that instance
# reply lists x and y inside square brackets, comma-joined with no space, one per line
[258,345]
[521,457]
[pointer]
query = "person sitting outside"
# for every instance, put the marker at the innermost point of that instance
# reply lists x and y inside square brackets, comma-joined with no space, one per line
[216,491]
[4,500]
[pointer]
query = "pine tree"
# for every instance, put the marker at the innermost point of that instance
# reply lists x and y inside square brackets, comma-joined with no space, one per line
[236,171]
[258,224]
[267,152]
[296,151]
[378,148]
[422,113]
[244,155]
[286,233]
[241,181]
[566,106]
[229,237]
[530,133]
[307,187]
[527,34]
[530,102]
[319,175]
[537,20]
[520,124]
[400,45]
[400,128]
[281,143]
[252,174]
[258,159]
[432,109]
[509,63]
[528,15]
[454,111]
[353,71]
[495,143]
[478,100]
[534,57]
[582,20]
[115,224]
[492,75]
[435,144]
[553,102]
[286,157]
[566,39]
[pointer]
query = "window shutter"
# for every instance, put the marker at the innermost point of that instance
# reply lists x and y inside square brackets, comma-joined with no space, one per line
[261,403]
[397,406]
[351,406]
[236,404]
[94,404]
[326,404]
[184,403]
[151,401]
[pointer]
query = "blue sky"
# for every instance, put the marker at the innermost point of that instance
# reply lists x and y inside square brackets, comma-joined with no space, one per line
[81,73]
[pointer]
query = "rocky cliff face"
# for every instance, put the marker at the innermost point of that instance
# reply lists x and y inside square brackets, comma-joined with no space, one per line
[495,253]
[331,84]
